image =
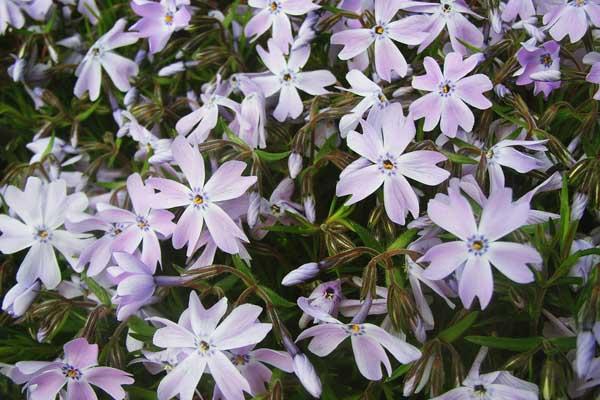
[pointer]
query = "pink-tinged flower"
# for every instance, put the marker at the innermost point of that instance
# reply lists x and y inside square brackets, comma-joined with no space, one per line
[497,385]
[538,64]
[383,33]
[451,91]
[78,370]
[201,200]
[524,9]
[593,76]
[18,299]
[101,55]
[251,364]
[572,17]
[276,208]
[42,210]
[478,245]
[11,12]
[135,284]
[252,116]
[201,121]
[505,154]
[158,149]
[286,78]
[200,335]
[142,225]
[159,21]
[448,14]
[325,297]
[383,162]
[368,342]
[274,13]
[373,102]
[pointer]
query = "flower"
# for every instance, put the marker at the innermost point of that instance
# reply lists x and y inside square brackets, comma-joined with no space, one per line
[201,199]
[325,297]
[383,162]
[42,209]
[478,245]
[199,334]
[368,342]
[101,55]
[18,299]
[448,14]
[450,91]
[374,102]
[135,284]
[274,14]
[307,375]
[504,154]
[11,12]
[593,59]
[572,17]
[383,33]
[201,121]
[524,9]
[286,78]
[277,207]
[159,21]
[252,116]
[498,385]
[143,224]
[78,370]
[535,63]
[301,274]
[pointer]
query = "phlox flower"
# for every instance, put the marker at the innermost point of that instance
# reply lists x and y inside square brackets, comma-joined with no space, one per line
[572,18]
[382,34]
[252,116]
[384,162]
[199,334]
[142,225]
[78,370]
[539,65]
[451,91]
[593,76]
[368,342]
[274,13]
[101,56]
[41,209]
[18,299]
[276,208]
[159,21]
[478,245]
[524,9]
[505,154]
[201,198]
[325,297]
[448,14]
[11,12]
[286,77]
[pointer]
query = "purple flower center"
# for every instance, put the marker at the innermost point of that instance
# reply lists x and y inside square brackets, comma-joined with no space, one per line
[546,60]
[479,389]
[329,293]
[240,359]
[71,372]
[142,223]
[43,235]
[477,245]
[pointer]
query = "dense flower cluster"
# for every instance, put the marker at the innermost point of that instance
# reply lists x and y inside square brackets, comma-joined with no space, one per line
[294,198]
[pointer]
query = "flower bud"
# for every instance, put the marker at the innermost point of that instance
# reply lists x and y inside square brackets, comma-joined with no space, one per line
[305,371]
[19,298]
[309,208]
[501,90]
[294,164]
[301,274]
[580,202]
[253,209]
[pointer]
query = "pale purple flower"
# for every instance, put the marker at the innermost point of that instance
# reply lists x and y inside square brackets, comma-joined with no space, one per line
[388,58]
[325,297]
[286,77]
[593,59]
[159,21]
[142,225]
[18,299]
[448,14]
[201,121]
[536,63]
[42,209]
[572,17]
[303,273]
[252,116]
[276,208]
[200,335]
[478,245]
[11,12]
[274,13]
[78,371]
[368,343]
[524,9]
[373,102]
[451,91]
[307,375]
[135,284]
[294,164]
[102,56]
[584,265]
[504,154]
[383,162]
[201,198]
[251,364]
[498,385]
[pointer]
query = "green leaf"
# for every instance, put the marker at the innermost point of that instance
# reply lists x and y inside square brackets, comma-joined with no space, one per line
[364,234]
[403,240]
[88,112]
[399,372]
[459,158]
[48,148]
[270,157]
[276,299]
[139,326]
[513,344]
[98,290]
[452,333]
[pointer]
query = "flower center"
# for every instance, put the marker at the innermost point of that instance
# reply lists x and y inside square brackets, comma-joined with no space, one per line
[203,346]
[355,328]
[274,6]
[198,200]
[240,359]
[379,30]
[169,18]
[480,389]
[446,8]
[43,235]
[446,88]
[579,3]
[387,164]
[329,293]
[546,60]
[287,77]
[71,372]
[275,209]
[95,51]
[477,245]
[142,223]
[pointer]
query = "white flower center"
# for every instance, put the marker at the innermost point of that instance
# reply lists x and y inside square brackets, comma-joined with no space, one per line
[477,245]
[198,198]
[387,164]
[43,234]
[446,88]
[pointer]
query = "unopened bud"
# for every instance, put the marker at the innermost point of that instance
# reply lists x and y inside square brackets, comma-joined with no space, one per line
[501,90]
[301,274]
[309,208]
[294,164]
[579,205]
[305,371]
